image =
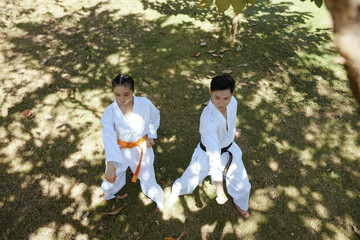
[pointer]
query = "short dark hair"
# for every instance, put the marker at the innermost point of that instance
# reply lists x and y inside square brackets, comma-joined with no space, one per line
[123,79]
[222,82]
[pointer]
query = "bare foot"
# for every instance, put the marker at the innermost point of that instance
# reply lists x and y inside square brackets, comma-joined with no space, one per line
[221,196]
[244,213]
[222,199]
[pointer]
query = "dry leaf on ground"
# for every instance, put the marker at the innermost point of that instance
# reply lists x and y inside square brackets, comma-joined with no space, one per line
[195,54]
[181,235]
[136,233]
[122,196]
[224,50]
[226,71]
[356,230]
[85,215]
[113,212]
[27,113]
[169,238]
[75,235]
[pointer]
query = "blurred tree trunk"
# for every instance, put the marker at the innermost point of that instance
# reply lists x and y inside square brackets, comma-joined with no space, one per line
[234,27]
[346,18]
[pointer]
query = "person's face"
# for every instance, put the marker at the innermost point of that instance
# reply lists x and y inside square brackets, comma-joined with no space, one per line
[221,98]
[123,94]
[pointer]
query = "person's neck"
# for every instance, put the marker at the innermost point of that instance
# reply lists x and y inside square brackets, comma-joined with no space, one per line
[127,107]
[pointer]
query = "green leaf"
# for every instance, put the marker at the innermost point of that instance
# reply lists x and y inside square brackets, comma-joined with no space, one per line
[319,3]
[204,4]
[222,5]
[238,5]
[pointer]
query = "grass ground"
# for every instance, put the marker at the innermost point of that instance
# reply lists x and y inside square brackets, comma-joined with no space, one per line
[300,124]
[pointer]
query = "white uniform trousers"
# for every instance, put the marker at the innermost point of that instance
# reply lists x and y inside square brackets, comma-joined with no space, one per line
[147,182]
[237,181]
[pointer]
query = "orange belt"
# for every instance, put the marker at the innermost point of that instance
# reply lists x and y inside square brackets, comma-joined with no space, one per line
[132,145]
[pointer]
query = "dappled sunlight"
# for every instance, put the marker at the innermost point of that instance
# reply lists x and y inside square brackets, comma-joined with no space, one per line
[313,224]
[300,127]
[207,229]
[321,211]
[245,229]
[263,199]
[176,211]
[144,199]
[46,232]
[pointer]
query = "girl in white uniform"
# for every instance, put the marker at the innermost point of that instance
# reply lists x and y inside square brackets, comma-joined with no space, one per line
[130,124]
[212,155]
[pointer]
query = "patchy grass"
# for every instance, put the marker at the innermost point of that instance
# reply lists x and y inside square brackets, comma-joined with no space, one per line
[300,123]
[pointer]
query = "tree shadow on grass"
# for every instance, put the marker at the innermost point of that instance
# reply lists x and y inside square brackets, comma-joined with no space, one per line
[292,145]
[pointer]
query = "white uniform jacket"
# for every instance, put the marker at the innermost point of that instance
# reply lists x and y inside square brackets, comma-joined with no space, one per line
[214,135]
[144,120]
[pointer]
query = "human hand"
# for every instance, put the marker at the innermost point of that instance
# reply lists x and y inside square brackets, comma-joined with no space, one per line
[149,142]
[110,174]
[237,133]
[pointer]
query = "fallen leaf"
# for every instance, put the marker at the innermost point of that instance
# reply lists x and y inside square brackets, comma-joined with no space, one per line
[206,103]
[43,61]
[169,238]
[226,71]
[157,222]
[145,84]
[181,235]
[195,54]
[75,235]
[21,71]
[203,44]
[215,55]
[136,233]
[250,30]
[113,212]
[242,65]
[271,71]
[63,89]
[212,72]
[356,230]
[122,196]
[85,215]
[164,95]
[197,86]
[211,51]
[27,113]
[224,50]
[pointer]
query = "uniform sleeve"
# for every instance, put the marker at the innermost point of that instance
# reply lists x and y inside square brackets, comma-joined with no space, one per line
[154,120]
[112,150]
[210,140]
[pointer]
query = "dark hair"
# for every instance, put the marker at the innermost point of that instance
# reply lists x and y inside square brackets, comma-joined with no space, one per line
[222,82]
[123,79]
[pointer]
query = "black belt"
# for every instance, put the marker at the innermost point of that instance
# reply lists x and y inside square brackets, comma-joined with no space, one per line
[223,150]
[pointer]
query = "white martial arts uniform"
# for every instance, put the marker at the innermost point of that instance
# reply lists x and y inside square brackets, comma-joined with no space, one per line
[144,120]
[214,136]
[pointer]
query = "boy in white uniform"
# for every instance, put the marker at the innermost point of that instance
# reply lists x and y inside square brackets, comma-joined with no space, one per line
[217,155]
[129,125]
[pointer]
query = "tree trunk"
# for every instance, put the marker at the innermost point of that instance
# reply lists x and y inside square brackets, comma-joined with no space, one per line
[234,27]
[346,18]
